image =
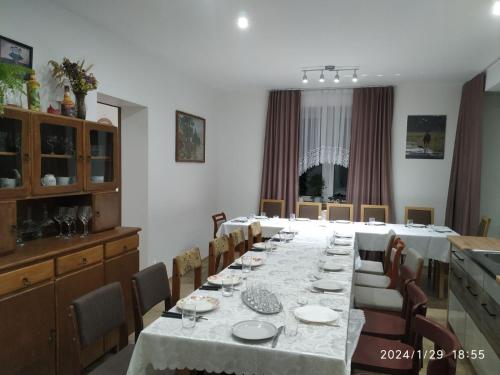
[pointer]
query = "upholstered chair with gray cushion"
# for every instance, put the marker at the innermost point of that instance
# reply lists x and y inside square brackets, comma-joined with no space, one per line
[308,210]
[419,215]
[273,207]
[378,212]
[379,268]
[149,287]
[415,262]
[339,211]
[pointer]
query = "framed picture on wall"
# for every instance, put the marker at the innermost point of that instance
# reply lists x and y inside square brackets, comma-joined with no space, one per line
[425,137]
[13,52]
[189,138]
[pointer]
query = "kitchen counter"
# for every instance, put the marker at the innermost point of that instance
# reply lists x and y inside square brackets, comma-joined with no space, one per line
[470,242]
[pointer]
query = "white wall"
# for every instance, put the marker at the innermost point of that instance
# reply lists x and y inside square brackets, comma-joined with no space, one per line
[241,149]
[420,182]
[490,172]
[181,197]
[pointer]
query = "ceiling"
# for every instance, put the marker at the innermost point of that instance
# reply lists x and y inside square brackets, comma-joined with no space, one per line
[393,41]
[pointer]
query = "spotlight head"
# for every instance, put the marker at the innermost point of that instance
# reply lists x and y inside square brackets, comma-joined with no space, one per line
[355,77]
[322,77]
[337,78]
[242,22]
[304,78]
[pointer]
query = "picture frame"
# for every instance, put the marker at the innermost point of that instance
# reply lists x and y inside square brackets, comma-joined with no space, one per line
[189,138]
[17,53]
[426,137]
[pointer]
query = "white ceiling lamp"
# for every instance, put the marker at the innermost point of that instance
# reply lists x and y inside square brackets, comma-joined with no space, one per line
[337,78]
[242,22]
[322,77]
[304,78]
[355,77]
[496,8]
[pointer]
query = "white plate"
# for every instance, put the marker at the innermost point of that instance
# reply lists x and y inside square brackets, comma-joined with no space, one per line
[328,285]
[202,303]
[342,242]
[342,221]
[264,245]
[416,226]
[338,251]
[376,223]
[261,217]
[217,279]
[254,330]
[343,235]
[302,219]
[443,229]
[316,314]
[332,267]
[256,261]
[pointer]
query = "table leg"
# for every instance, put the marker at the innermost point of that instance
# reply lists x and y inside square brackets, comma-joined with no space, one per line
[443,278]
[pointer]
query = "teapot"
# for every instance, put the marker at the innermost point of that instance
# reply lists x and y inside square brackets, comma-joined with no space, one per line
[48,180]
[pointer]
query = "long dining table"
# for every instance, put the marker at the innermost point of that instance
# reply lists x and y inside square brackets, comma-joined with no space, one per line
[288,271]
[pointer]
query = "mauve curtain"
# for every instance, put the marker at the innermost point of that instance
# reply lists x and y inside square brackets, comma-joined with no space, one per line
[369,178]
[280,169]
[462,209]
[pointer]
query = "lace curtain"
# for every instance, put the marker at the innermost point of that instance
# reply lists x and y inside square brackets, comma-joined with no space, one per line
[325,129]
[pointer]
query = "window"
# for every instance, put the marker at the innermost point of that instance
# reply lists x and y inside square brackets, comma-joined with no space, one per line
[325,181]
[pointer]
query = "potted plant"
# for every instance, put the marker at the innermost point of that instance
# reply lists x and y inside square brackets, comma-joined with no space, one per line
[12,78]
[317,185]
[80,79]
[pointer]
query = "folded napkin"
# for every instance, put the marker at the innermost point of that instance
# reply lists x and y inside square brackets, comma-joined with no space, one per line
[210,287]
[235,267]
[171,314]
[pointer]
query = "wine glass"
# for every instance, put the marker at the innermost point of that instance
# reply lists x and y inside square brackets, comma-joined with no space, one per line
[74,216]
[85,214]
[69,214]
[59,219]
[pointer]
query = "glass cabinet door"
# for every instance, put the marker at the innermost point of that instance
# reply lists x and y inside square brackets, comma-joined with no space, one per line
[14,153]
[58,155]
[101,156]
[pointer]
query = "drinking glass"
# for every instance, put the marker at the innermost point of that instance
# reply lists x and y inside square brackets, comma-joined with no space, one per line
[409,223]
[371,220]
[251,216]
[227,286]
[189,315]
[246,263]
[69,213]
[85,214]
[292,216]
[74,216]
[291,323]
[263,214]
[59,219]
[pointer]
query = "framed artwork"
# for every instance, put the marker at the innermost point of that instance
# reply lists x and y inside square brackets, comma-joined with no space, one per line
[12,52]
[425,137]
[189,138]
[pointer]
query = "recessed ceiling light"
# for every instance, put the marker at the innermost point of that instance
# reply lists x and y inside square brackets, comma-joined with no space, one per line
[496,8]
[242,22]
[380,75]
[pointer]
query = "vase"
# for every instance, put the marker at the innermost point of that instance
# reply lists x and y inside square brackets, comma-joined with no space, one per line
[33,92]
[81,110]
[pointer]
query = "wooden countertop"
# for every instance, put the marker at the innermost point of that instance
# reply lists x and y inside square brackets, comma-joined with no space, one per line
[481,243]
[47,248]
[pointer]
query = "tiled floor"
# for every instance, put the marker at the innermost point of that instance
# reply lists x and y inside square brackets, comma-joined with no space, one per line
[436,311]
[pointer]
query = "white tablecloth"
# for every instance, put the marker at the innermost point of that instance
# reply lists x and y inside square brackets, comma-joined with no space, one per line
[429,243]
[317,349]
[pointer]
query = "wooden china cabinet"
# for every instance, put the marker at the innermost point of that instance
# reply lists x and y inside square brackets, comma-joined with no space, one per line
[50,161]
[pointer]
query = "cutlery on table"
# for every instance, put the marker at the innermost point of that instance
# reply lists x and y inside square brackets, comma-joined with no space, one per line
[171,314]
[210,287]
[277,336]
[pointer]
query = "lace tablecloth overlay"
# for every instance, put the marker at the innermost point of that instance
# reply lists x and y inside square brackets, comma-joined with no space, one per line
[316,349]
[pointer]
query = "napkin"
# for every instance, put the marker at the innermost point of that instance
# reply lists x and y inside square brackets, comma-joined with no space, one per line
[210,287]
[170,314]
[235,267]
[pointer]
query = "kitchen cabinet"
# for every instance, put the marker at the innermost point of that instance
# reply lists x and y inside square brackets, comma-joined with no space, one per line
[8,227]
[456,317]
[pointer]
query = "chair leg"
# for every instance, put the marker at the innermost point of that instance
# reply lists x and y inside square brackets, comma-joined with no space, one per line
[429,269]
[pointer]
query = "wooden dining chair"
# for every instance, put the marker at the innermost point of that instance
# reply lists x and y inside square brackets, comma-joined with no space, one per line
[93,316]
[273,207]
[376,267]
[308,210]
[484,226]
[220,248]
[150,286]
[379,212]
[254,234]
[339,211]
[238,238]
[188,261]
[218,219]
[391,278]
[419,215]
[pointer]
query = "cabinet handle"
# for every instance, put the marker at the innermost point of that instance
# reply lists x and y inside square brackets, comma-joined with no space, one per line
[485,307]
[26,282]
[471,291]
[84,261]
[456,274]
[456,256]
[26,157]
[13,228]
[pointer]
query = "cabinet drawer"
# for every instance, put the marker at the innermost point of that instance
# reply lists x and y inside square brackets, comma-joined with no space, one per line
[79,260]
[25,277]
[121,246]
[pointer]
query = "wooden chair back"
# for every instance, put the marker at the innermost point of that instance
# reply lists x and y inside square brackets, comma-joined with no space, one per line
[95,315]
[339,211]
[254,234]
[378,211]
[273,207]
[218,219]
[415,262]
[189,260]
[414,302]
[395,263]
[484,226]
[238,238]
[419,215]
[308,210]
[391,243]
[149,287]
[220,248]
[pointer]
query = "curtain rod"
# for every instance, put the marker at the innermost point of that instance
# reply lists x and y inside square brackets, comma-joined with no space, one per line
[330,88]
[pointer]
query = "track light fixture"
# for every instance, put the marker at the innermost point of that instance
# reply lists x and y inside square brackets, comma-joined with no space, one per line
[330,68]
